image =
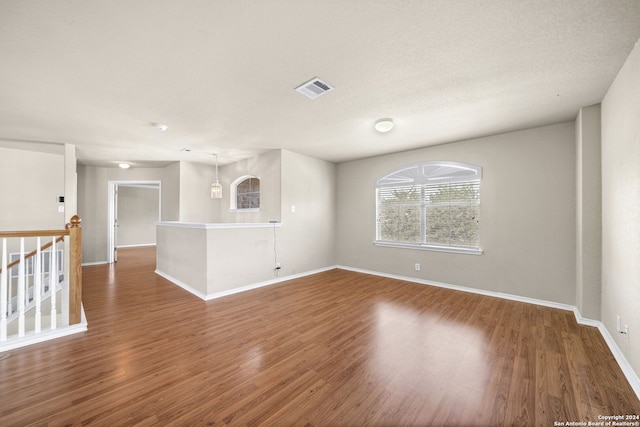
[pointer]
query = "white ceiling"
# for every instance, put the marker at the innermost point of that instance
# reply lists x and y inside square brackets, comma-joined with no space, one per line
[221,74]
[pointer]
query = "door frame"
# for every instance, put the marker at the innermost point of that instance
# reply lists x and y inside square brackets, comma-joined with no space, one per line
[112,204]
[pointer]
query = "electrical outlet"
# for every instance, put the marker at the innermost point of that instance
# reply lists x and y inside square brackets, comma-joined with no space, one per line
[619,329]
[417,266]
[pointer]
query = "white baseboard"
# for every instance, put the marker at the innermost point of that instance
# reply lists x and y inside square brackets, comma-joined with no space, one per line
[626,368]
[33,338]
[624,364]
[545,303]
[181,284]
[87,264]
[267,283]
[139,245]
[221,294]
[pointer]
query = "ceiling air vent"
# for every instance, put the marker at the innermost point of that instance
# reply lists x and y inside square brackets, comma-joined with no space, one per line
[314,88]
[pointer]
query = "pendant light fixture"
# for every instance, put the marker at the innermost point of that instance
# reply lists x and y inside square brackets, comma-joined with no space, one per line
[216,187]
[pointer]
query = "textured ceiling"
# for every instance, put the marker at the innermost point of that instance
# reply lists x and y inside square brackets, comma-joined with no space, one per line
[221,74]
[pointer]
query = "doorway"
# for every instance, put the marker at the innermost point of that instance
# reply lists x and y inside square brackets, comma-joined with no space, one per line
[140,203]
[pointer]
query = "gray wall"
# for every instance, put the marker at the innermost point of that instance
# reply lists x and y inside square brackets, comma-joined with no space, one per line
[307,238]
[70,182]
[588,212]
[93,201]
[527,215]
[30,183]
[621,207]
[138,213]
[267,168]
[195,203]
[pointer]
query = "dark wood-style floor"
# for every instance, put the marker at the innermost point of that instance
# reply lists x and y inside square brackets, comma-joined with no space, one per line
[333,349]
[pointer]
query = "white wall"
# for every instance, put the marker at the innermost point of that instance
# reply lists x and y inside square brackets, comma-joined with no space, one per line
[621,207]
[527,215]
[209,259]
[181,253]
[30,183]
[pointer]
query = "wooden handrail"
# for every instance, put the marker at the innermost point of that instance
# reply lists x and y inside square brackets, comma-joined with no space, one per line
[35,233]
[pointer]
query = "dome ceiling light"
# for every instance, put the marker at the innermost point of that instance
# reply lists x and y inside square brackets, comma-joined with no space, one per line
[383,125]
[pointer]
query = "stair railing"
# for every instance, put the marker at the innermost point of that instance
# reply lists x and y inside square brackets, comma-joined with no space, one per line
[25,295]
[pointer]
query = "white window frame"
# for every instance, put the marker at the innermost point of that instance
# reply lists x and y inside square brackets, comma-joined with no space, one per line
[233,195]
[420,176]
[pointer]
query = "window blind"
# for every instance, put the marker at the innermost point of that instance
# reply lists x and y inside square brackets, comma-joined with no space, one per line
[452,213]
[430,206]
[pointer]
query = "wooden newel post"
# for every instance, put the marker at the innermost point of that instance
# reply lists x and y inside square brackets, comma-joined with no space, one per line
[75,270]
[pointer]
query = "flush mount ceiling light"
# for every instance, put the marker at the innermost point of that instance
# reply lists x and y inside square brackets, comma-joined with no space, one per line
[216,187]
[124,165]
[383,125]
[161,127]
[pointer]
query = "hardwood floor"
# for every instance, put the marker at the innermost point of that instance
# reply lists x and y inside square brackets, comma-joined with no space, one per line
[333,349]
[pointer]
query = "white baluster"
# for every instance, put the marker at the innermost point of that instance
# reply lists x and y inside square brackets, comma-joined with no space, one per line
[37,290]
[53,282]
[21,290]
[3,293]
[10,293]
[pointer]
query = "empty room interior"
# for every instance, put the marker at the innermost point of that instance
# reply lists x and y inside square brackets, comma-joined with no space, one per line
[320,213]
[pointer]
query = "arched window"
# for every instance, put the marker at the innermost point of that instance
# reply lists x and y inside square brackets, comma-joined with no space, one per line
[430,205]
[245,194]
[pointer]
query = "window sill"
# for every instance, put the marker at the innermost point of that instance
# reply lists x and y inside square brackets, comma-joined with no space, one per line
[450,249]
[245,210]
